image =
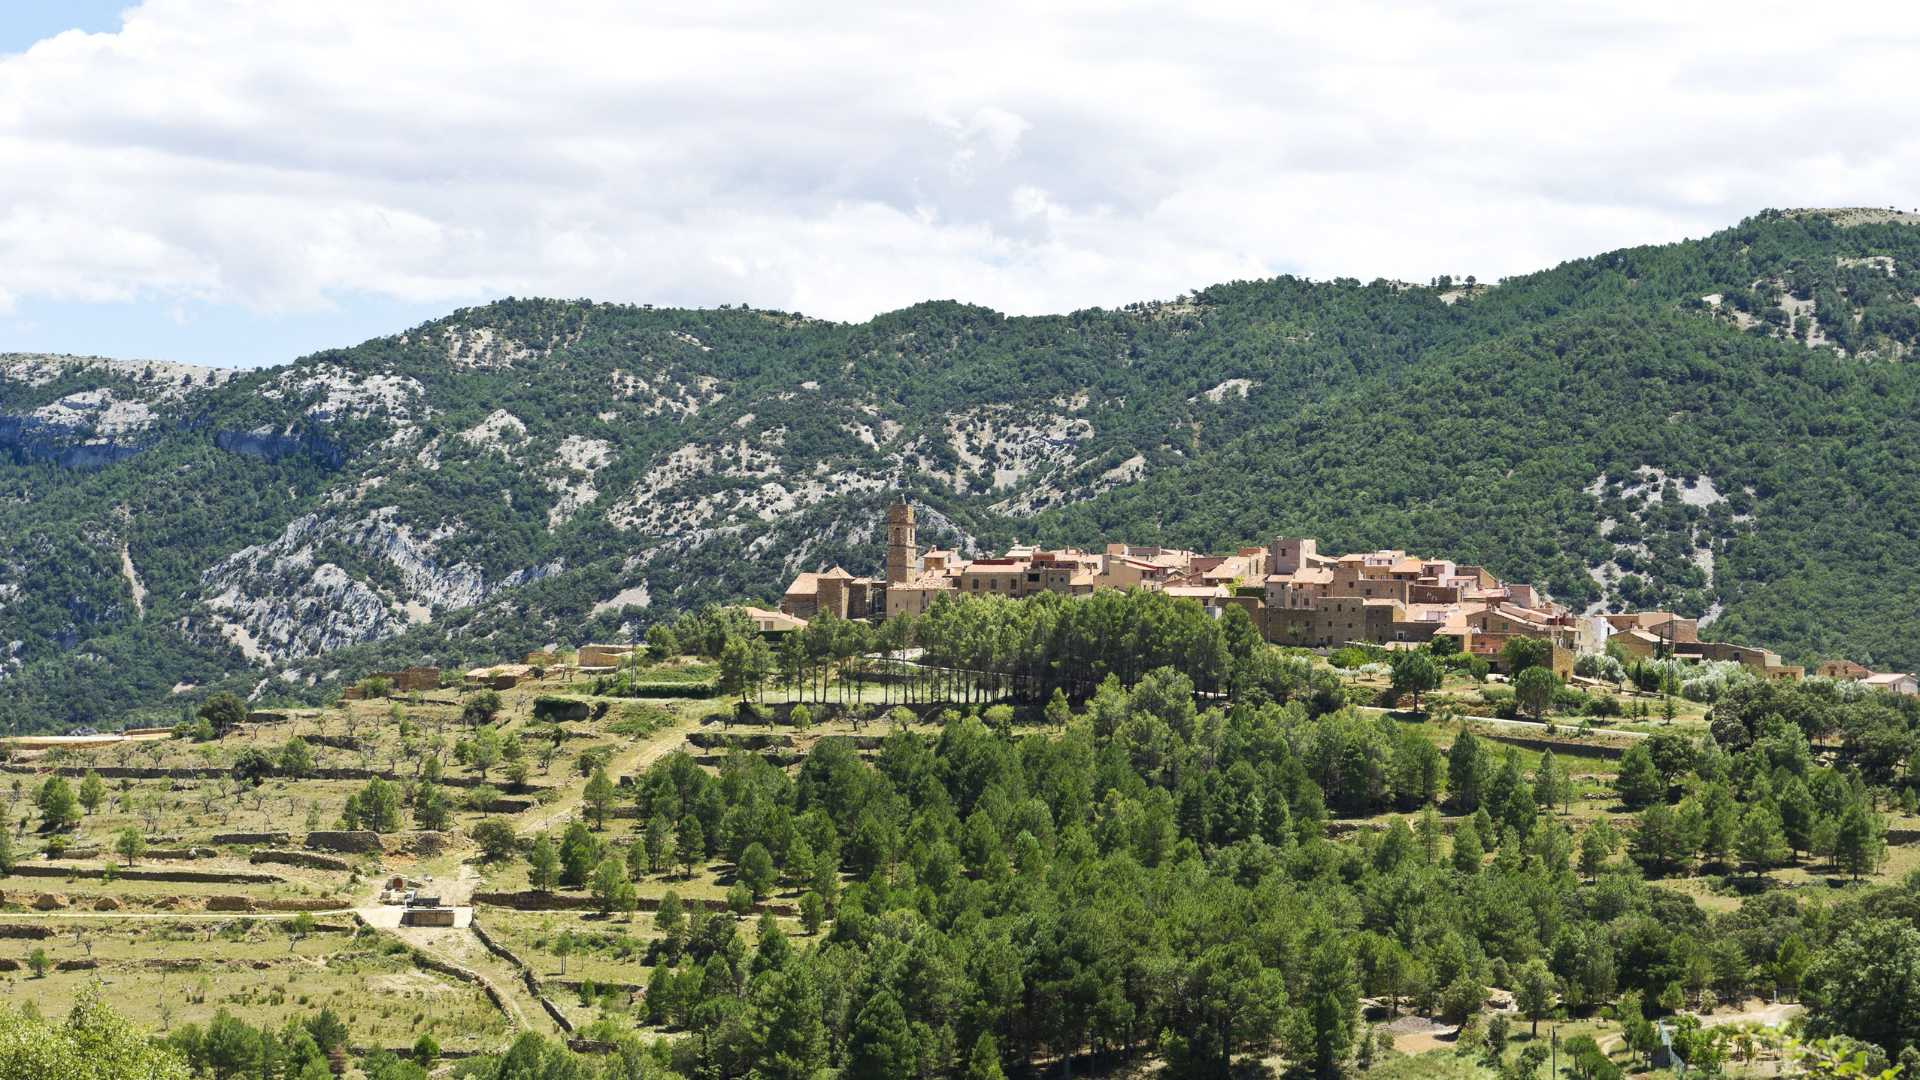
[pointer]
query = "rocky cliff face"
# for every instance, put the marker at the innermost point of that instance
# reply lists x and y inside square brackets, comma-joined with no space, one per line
[466,486]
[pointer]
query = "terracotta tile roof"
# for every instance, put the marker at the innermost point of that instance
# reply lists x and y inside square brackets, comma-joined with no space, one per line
[764,619]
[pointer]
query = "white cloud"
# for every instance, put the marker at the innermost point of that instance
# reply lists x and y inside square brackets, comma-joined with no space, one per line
[281,156]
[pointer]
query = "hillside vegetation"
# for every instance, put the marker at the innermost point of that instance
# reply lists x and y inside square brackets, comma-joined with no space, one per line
[1286,874]
[1721,426]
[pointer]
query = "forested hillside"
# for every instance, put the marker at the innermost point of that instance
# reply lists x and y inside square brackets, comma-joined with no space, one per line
[1722,426]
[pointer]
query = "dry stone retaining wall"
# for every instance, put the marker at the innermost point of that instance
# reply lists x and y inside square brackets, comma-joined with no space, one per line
[526,975]
[308,859]
[275,838]
[196,877]
[354,841]
[1560,747]
[144,772]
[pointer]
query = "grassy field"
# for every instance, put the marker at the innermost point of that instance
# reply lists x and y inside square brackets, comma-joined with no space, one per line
[167,974]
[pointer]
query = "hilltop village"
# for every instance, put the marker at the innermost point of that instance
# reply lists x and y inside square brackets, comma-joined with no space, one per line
[1296,596]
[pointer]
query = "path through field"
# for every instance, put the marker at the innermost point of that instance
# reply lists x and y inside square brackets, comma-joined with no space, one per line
[569,797]
[458,945]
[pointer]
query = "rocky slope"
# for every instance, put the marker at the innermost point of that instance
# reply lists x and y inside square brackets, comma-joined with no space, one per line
[538,471]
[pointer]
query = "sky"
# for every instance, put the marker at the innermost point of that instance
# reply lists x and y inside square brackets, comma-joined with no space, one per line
[241,183]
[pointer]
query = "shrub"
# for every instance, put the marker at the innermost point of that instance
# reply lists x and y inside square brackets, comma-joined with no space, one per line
[1602,705]
[481,708]
[253,767]
[552,707]
[223,712]
[1350,656]
[375,807]
[495,837]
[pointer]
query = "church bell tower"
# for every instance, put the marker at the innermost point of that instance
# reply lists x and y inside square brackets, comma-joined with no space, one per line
[900,546]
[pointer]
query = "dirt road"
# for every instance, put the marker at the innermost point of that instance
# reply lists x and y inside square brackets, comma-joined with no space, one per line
[570,796]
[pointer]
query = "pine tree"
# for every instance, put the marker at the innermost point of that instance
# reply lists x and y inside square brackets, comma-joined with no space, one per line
[1467,851]
[579,852]
[1429,832]
[789,1033]
[599,796]
[92,791]
[1058,712]
[58,807]
[1761,844]
[772,951]
[611,889]
[1661,842]
[1859,840]
[660,995]
[1414,673]
[1329,1009]
[691,843]
[130,844]
[756,869]
[880,1045]
[671,920]
[1533,690]
[1720,824]
[543,864]
[1639,784]
[659,842]
[1596,847]
[813,912]
[1535,994]
[1549,782]
[984,1062]
[1466,772]
[1798,815]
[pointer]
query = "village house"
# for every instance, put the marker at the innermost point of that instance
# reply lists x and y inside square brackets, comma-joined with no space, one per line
[772,623]
[834,591]
[411,680]
[603,657]
[1765,661]
[1663,626]
[1893,682]
[498,676]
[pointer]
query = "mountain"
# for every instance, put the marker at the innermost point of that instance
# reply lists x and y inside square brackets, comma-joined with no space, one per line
[1723,426]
